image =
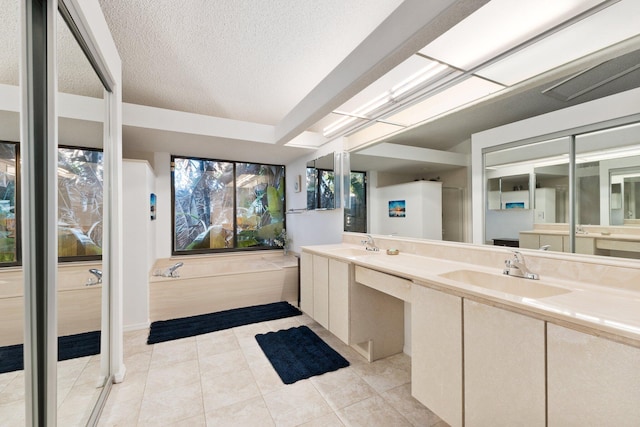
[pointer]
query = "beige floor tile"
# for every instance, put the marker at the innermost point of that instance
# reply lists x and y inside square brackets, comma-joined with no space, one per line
[14,391]
[136,342]
[248,413]
[176,351]
[286,323]
[70,370]
[329,420]
[171,405]
[196,421]
[165,377]
[415,412]
[266,377]
[138,362]
[342,388]
[254,355]
[296,404]
[6,378]
[383,374]
[372,412]
[131,389]
[12,414]
[226,389]
[246,334]
[217,343]
[120,413]
[77,406]
[220,364]
[224,378]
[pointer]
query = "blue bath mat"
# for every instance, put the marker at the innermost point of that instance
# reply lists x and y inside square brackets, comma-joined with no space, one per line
[298,353]
[69,347]
[167,330]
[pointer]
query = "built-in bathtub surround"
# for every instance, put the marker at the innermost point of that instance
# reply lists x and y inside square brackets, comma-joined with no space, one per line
[79,305]
[212,283]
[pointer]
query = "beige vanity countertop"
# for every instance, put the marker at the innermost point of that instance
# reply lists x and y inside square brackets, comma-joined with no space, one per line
[598,310]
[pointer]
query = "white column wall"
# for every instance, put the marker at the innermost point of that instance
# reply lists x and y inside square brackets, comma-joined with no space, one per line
[139,243]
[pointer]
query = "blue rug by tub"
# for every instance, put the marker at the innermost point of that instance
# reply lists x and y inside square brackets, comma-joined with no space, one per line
[298,353]
[167,330]
[69,347]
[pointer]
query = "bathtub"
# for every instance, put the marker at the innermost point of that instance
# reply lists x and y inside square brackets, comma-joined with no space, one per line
[79,306]
[211,283]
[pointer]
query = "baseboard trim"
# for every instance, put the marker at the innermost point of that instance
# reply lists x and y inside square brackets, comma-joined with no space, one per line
[136,327]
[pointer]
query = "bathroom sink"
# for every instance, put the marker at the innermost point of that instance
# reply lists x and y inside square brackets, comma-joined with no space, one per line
[512,285]
[353,252]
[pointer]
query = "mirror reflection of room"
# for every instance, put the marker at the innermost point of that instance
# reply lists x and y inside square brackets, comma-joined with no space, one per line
[604,196]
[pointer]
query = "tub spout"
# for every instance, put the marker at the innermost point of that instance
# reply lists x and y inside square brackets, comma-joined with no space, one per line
[172,271]
[98,279]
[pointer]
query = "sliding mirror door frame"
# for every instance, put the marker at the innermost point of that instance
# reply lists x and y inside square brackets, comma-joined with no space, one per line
[39,136]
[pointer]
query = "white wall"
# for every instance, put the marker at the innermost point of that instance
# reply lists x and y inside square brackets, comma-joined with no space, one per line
[162,168]
[139,242]
[423,210]
[311,227]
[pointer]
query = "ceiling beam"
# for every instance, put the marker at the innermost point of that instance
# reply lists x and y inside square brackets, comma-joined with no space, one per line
[409,28]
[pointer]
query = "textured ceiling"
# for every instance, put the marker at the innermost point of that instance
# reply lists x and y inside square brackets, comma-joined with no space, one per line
[75,74]
[246,60]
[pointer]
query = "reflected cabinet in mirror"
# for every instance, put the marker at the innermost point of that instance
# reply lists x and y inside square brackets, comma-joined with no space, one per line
[531,193]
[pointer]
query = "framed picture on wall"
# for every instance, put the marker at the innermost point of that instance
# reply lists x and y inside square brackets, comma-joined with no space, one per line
[152,206]
[397,209]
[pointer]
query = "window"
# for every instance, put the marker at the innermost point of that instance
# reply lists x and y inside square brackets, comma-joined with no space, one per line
[355,217]
[9,214]
[220,205]
[79,204]
[320,189]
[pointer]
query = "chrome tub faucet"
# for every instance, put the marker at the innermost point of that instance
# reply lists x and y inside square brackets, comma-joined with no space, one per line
[97,280]
[516,267]
[172,271]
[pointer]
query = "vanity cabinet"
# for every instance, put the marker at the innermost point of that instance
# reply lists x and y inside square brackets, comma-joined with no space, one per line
[436,352]
[584,245]
[321,290]
[306,283]
[591,380]
[324,292]
[504,367]
[537,240]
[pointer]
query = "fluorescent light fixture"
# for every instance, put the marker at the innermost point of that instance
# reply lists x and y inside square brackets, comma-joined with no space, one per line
[498,26]
[608,154]
[466,91]
[389,98]
[612,25]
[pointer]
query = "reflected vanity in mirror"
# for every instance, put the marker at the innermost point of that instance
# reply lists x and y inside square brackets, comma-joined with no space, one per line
[603,194]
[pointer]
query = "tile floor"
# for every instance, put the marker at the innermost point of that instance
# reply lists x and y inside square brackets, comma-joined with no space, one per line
[77,393]
[224,379]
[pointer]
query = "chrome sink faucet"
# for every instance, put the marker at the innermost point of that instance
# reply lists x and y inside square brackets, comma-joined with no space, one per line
[516,267]
[370,244]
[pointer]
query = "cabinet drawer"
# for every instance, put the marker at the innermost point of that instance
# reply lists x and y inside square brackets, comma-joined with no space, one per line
[391,285]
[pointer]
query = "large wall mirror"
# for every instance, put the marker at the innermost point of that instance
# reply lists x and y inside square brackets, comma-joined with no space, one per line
[83,366]
[82,294]
[534,200]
